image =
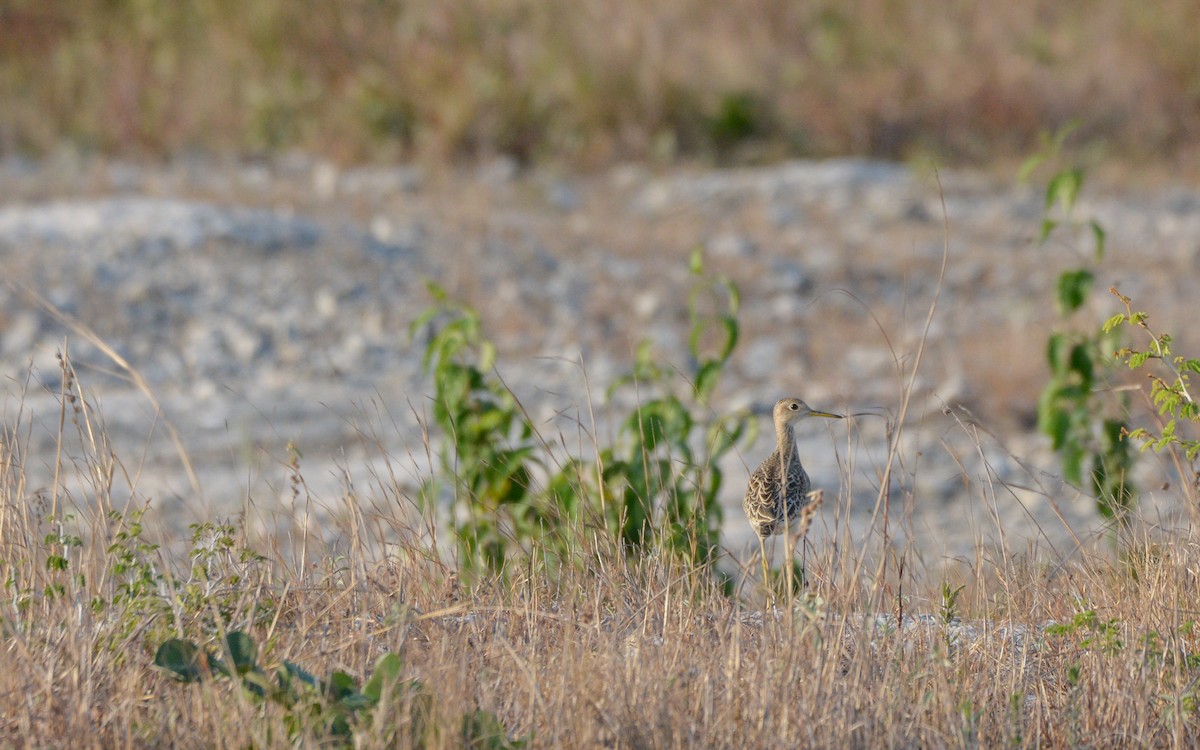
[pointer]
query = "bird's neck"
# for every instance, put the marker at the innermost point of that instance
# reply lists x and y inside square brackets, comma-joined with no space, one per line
[786,439]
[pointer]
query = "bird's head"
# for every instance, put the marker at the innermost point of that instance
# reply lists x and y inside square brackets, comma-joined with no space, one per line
[791,410]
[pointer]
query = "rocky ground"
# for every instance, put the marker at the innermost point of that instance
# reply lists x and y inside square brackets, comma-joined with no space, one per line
[265,304]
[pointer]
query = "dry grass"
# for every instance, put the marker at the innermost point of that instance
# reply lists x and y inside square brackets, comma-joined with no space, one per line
[600,80]
[617,651]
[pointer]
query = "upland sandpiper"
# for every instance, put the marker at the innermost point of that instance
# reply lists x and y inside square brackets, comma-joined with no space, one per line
[771,505]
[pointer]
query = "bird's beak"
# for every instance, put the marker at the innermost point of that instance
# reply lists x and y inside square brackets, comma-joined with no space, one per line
[825,414]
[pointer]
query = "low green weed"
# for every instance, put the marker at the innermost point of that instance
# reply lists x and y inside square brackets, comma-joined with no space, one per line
[326,710]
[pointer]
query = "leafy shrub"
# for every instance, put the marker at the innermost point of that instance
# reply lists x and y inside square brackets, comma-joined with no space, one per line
[488,451]
[1076,408]
[656,487]
[1170,392]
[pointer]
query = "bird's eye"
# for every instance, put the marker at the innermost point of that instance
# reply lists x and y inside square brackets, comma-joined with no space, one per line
[793,406]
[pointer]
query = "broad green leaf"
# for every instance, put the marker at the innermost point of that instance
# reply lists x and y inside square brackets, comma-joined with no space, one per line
[1073,288]
[1059,428]
[242,650]
[257,682]
[341,684]
[181,659]
[1072,458]
[1056,351]
[1081,364]
[1063,189]
[384,678]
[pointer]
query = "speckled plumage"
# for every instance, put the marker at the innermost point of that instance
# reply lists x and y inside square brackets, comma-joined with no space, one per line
[766,495]
[770,504]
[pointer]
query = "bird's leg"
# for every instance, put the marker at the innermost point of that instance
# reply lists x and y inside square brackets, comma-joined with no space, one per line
[762,548]
[790,544]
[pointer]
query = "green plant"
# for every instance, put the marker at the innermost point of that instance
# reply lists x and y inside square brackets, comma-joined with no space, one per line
[331,709]
[488,450]
[948,610]
[656,486]
[135,580]
[60,545]
[661,478]
[1104,635]
[949,614]
[1171,396]
[221,573]
[1170,392]
[1078,409]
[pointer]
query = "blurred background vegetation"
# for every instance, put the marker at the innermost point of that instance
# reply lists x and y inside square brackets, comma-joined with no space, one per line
[589,82]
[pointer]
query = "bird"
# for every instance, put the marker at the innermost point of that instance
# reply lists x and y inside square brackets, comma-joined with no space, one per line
[771,505]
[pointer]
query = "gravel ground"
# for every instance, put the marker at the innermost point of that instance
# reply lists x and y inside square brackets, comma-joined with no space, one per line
[269,303]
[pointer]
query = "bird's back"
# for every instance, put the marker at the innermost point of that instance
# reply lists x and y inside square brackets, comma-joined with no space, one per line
[765,495]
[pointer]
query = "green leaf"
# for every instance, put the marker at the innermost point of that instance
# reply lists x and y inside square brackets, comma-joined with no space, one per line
[1137,359]
[290,671]
[341,685]
[1098,235]
[1056,349]
[1073,288]
[706,378]
[384,678]
[1048,226]
[242,651]
[1113,322]
[257,682]
[1072,458]
[181,659]
[1058,427]
[1028,166]
[1047,408]
[1081,363]
[487,356]
[731,337]
[1063,189]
